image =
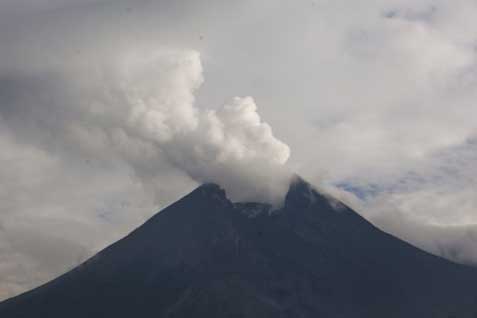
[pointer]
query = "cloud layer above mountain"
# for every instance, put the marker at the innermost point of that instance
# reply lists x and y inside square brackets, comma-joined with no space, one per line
[110,110]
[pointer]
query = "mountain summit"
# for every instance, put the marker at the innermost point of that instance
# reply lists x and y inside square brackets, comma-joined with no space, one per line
[205,256]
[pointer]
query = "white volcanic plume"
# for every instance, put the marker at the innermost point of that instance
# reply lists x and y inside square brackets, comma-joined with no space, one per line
[230,145]
[139,109]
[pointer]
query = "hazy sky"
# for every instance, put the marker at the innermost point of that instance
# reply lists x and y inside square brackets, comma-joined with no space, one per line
[110,110]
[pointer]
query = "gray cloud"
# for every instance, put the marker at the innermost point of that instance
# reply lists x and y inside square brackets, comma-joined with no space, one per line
[110,110]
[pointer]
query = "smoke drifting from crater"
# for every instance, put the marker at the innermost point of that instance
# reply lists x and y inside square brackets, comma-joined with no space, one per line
[140,109]
[230,145]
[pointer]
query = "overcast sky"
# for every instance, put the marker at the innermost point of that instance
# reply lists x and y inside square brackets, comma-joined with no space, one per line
[110,110]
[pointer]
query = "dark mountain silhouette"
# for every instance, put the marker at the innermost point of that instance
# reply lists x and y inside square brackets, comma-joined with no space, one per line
[207,257]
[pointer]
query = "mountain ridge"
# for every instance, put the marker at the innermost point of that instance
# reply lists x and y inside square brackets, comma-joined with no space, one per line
[204,256]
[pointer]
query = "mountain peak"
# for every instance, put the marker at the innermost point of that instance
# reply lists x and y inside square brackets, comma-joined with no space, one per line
[301,194]
[212,192]
[210,188]
[206,257]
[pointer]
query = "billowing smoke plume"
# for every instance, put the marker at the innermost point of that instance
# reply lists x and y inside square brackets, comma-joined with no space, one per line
[141,110]
[230,146]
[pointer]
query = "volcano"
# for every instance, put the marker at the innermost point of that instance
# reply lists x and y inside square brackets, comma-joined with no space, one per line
[206,257]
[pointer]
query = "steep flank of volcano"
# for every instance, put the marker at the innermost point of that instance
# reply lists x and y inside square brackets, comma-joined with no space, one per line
[205,256]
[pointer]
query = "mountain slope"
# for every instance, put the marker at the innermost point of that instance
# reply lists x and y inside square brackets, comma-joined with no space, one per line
[206,257]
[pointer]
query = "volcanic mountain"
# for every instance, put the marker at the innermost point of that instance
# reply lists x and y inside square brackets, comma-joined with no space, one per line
[206,257]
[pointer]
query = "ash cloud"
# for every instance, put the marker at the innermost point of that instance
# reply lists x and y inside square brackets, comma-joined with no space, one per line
[141,109]
[230,145]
